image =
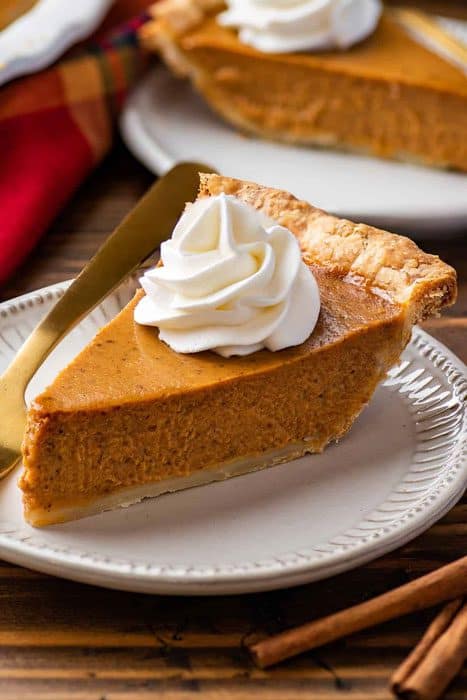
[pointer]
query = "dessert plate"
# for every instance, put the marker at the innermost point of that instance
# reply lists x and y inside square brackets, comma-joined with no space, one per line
[165,121]
[40,36]
[401,467]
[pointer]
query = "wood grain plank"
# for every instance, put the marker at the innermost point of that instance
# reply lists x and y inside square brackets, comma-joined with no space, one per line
[370,689]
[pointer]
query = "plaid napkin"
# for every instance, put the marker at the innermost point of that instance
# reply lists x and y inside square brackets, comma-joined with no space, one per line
[55,126]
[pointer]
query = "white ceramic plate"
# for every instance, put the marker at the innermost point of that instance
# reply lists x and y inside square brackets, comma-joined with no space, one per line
[165,121]
[401,467]
[41,35]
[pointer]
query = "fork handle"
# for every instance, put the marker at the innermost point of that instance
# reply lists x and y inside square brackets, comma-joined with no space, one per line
[139,234]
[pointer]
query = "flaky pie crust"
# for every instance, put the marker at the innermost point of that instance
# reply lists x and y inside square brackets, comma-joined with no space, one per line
[377,260]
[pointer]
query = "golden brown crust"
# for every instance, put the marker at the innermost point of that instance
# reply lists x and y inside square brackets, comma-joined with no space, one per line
[171,19]
[384,262]
[81,507]
[175,17]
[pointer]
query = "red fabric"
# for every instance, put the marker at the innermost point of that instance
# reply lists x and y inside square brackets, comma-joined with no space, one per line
[45,158]
[55,126]
[120,12]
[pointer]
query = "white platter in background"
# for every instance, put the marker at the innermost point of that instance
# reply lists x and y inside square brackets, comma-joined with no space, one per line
[40,36]
[400,468]
[165,121]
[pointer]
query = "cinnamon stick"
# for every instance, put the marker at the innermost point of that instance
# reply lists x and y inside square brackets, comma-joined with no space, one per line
[443,584]
[432,666]
[433,633]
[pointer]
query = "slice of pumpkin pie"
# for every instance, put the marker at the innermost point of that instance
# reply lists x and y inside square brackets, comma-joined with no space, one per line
[260,338]
[329,73]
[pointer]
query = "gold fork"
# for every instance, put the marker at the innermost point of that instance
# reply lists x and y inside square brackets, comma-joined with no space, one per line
[139,234]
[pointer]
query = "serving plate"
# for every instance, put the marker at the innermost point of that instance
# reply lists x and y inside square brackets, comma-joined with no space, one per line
[40,36]
[165,121]
[400,468]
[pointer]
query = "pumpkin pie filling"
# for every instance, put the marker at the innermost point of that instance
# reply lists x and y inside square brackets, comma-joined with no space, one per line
[11,10]
[130,418]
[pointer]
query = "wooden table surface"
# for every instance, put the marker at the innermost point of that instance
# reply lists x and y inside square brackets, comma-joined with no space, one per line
[60,639]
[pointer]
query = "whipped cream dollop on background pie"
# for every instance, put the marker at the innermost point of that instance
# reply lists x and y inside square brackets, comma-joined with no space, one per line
[278,26]
[232,281]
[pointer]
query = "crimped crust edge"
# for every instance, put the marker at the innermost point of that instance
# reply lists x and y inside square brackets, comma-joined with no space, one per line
[386,263]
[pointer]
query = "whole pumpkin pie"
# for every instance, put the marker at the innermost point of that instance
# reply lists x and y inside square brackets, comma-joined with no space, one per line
[388,95]
[130,417]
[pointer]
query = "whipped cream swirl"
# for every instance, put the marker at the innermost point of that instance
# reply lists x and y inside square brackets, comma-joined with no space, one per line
[232,281]
[284,26]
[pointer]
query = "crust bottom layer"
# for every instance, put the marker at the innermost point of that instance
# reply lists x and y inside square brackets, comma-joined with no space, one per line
[123,498]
